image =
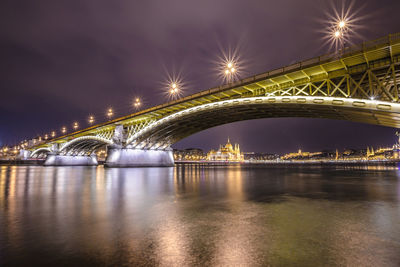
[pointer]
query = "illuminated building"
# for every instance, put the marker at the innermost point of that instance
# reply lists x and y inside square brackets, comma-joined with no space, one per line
[301,155]
[189,154]
[226,153]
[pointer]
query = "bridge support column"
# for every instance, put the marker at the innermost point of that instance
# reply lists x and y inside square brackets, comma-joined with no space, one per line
[130,157]
[67,160]
[24,154]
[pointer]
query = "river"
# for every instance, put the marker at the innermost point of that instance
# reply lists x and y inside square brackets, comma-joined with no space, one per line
[194,215]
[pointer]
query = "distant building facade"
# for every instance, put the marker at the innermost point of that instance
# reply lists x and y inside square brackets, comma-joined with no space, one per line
[226,153]
[189,154]
[259,156]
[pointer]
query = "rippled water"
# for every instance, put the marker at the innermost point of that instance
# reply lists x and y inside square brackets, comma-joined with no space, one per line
[195,215]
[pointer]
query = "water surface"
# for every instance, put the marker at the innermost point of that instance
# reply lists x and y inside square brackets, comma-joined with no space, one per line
[194,215]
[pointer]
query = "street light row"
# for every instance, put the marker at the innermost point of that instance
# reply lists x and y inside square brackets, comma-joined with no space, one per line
[91,120]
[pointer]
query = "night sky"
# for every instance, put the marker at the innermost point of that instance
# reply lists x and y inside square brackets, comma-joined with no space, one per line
[63,60]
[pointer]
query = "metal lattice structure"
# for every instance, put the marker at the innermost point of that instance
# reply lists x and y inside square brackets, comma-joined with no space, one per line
[361,85]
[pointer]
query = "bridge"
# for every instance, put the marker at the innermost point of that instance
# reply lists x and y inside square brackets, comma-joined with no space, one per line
[359,84]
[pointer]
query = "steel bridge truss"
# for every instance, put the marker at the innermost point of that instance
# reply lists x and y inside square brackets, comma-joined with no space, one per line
[381,83]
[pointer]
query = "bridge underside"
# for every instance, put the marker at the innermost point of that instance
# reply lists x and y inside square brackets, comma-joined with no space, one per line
[191,123]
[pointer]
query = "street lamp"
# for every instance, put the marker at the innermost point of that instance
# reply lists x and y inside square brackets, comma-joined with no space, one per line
[75,125]
[174,88]
[53,134]
[230,68]
[110,113]
[91,119]
[340,30]
[137,103]
[64,129]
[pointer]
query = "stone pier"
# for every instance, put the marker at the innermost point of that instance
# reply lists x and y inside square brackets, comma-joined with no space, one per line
[67,160]
[130,157]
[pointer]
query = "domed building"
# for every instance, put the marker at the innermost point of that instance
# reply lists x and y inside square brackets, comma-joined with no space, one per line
[226,153]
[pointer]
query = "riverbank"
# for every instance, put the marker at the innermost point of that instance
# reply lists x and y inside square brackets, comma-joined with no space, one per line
[392,163]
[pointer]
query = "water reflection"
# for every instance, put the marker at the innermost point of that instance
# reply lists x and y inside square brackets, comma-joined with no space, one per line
[199,215]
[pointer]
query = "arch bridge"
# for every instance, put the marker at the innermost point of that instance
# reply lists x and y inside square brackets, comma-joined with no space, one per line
[359,84]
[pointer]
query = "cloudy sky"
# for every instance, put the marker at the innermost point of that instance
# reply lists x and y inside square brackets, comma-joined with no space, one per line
[63,60]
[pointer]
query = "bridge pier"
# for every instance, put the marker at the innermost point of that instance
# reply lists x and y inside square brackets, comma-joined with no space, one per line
[68,160]
[24,154]
[130,157]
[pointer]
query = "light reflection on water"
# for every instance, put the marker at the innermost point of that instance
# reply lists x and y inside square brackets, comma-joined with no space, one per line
[199,215]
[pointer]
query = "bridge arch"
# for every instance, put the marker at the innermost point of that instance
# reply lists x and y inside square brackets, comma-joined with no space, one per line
[84,145]
[174,127]
[39,150]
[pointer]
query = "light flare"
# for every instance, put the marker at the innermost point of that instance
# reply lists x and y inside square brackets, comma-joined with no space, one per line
[91,119]
[341,25]
[137,103]
[110,113]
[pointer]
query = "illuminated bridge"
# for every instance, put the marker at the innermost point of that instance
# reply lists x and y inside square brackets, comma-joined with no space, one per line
[359,84]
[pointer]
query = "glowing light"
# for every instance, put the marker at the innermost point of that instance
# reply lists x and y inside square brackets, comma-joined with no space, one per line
[46,136]
[174,88]
[76,125]
[137,103]
[229,69]
[173,85]
[64,130]
[341,24]
[110,113]
[91,119]
[53,134]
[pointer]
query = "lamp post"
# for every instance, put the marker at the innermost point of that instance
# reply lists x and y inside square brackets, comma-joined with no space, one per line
[340,31]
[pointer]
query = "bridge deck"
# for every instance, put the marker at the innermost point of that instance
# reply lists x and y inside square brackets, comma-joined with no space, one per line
[375,55]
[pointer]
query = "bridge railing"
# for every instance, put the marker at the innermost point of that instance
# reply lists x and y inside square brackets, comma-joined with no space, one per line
[347,51]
